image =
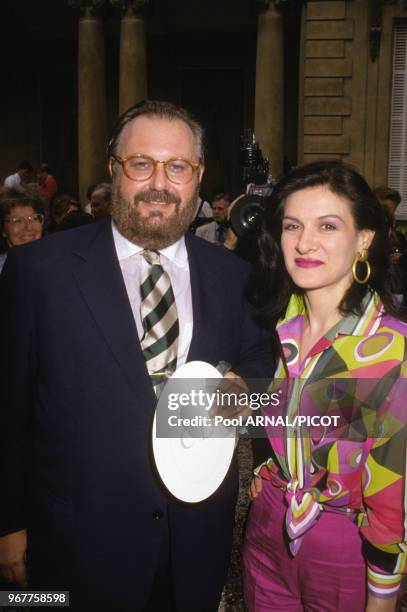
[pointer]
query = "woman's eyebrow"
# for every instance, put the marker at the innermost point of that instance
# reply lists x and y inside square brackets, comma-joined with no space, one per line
[330,216]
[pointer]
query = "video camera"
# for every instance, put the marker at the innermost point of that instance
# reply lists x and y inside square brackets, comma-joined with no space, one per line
[258,183]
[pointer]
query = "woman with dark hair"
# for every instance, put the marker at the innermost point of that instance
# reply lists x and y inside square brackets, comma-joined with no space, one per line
[326,528]
[21,218]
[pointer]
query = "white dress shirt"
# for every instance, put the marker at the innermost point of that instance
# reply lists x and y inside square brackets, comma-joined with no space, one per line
[14,180]
[3,257]
[174,260]
[205,211]
[209,232]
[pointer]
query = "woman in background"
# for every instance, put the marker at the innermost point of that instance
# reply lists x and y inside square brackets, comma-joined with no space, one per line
[326,528]
[21,218]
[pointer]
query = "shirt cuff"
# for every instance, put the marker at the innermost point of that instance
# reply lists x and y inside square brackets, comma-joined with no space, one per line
[382,586]
[263,470]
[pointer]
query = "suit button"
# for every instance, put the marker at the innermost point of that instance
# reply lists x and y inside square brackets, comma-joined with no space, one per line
[157,515]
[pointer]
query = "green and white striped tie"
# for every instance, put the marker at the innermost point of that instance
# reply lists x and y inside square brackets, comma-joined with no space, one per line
[159,319]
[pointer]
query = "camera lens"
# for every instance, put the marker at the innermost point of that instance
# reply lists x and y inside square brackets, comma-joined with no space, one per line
[246,214]
[251,217]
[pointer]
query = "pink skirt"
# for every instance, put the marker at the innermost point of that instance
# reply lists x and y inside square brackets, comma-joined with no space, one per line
[327,575]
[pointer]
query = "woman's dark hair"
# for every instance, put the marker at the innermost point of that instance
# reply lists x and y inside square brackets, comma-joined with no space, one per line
[271,286]
[17,196]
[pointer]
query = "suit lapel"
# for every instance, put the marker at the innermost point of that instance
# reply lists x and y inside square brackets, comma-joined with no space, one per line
[100,281]
[208,296]
[99,277]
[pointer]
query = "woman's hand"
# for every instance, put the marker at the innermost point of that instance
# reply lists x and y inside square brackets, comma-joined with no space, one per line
[374,604]
[256,487]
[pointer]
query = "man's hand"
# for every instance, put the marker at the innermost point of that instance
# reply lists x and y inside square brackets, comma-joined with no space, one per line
[231,384]
[12,557]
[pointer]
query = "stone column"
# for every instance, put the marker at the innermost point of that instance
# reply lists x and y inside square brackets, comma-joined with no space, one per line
[92,121]
[269,102]
[133,69]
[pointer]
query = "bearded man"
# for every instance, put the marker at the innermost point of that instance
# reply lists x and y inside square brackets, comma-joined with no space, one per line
[81,499]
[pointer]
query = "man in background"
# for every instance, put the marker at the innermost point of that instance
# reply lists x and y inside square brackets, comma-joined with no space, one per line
[47,186]
[390,199]
[216,230]
[22,175]
[100,201]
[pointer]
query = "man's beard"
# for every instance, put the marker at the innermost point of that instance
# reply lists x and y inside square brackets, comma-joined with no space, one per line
[135,226]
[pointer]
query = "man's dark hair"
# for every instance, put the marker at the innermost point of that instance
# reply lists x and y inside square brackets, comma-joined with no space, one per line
[107,191]
[90,190]
[155,108]
[271,286]
[45,168]
[387,193]
[221,196]
[25,165]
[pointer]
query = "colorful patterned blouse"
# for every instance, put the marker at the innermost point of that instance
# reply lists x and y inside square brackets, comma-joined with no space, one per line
[358,372]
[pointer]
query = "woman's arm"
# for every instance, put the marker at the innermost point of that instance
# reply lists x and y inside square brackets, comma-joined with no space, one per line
[383,485]
[374,604]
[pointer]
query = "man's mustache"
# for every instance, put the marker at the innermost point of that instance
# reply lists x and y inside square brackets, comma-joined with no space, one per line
[152,195]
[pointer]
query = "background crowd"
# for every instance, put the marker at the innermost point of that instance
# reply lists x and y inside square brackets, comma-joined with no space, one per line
[32,205]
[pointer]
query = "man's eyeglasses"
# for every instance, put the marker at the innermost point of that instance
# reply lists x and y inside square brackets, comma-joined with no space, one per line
[17,222]
[142,167]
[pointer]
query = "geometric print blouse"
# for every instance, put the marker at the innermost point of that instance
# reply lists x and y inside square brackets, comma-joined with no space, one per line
[356,372]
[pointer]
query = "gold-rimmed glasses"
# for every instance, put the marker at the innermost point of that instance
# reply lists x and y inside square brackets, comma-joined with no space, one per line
[139,167]
[19,222]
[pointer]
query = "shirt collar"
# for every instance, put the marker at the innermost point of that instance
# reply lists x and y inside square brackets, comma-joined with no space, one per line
[351,324]
[176,253]
[289,330]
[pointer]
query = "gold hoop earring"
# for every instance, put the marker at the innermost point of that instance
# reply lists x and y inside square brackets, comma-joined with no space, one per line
[361,258]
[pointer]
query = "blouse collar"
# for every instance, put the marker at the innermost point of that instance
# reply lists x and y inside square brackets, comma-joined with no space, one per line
[289,328]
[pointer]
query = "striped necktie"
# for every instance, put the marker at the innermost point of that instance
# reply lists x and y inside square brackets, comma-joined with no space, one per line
[159,319]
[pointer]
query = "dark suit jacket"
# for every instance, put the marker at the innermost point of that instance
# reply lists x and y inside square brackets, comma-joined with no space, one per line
[77,406]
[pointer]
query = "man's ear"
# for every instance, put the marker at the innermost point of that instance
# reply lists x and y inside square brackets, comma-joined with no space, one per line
[200,172]
[110,168]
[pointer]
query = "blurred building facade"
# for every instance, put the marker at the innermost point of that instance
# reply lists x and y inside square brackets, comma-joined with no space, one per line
[353,88]
[314,79]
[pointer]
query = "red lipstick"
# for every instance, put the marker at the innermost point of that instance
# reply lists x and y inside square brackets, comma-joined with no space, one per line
[307,263]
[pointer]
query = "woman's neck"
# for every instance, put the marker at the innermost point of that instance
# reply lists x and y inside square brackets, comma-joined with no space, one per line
[322,312]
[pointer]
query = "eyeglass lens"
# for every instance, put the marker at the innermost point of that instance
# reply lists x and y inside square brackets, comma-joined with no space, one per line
[18,221]
[142,168]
